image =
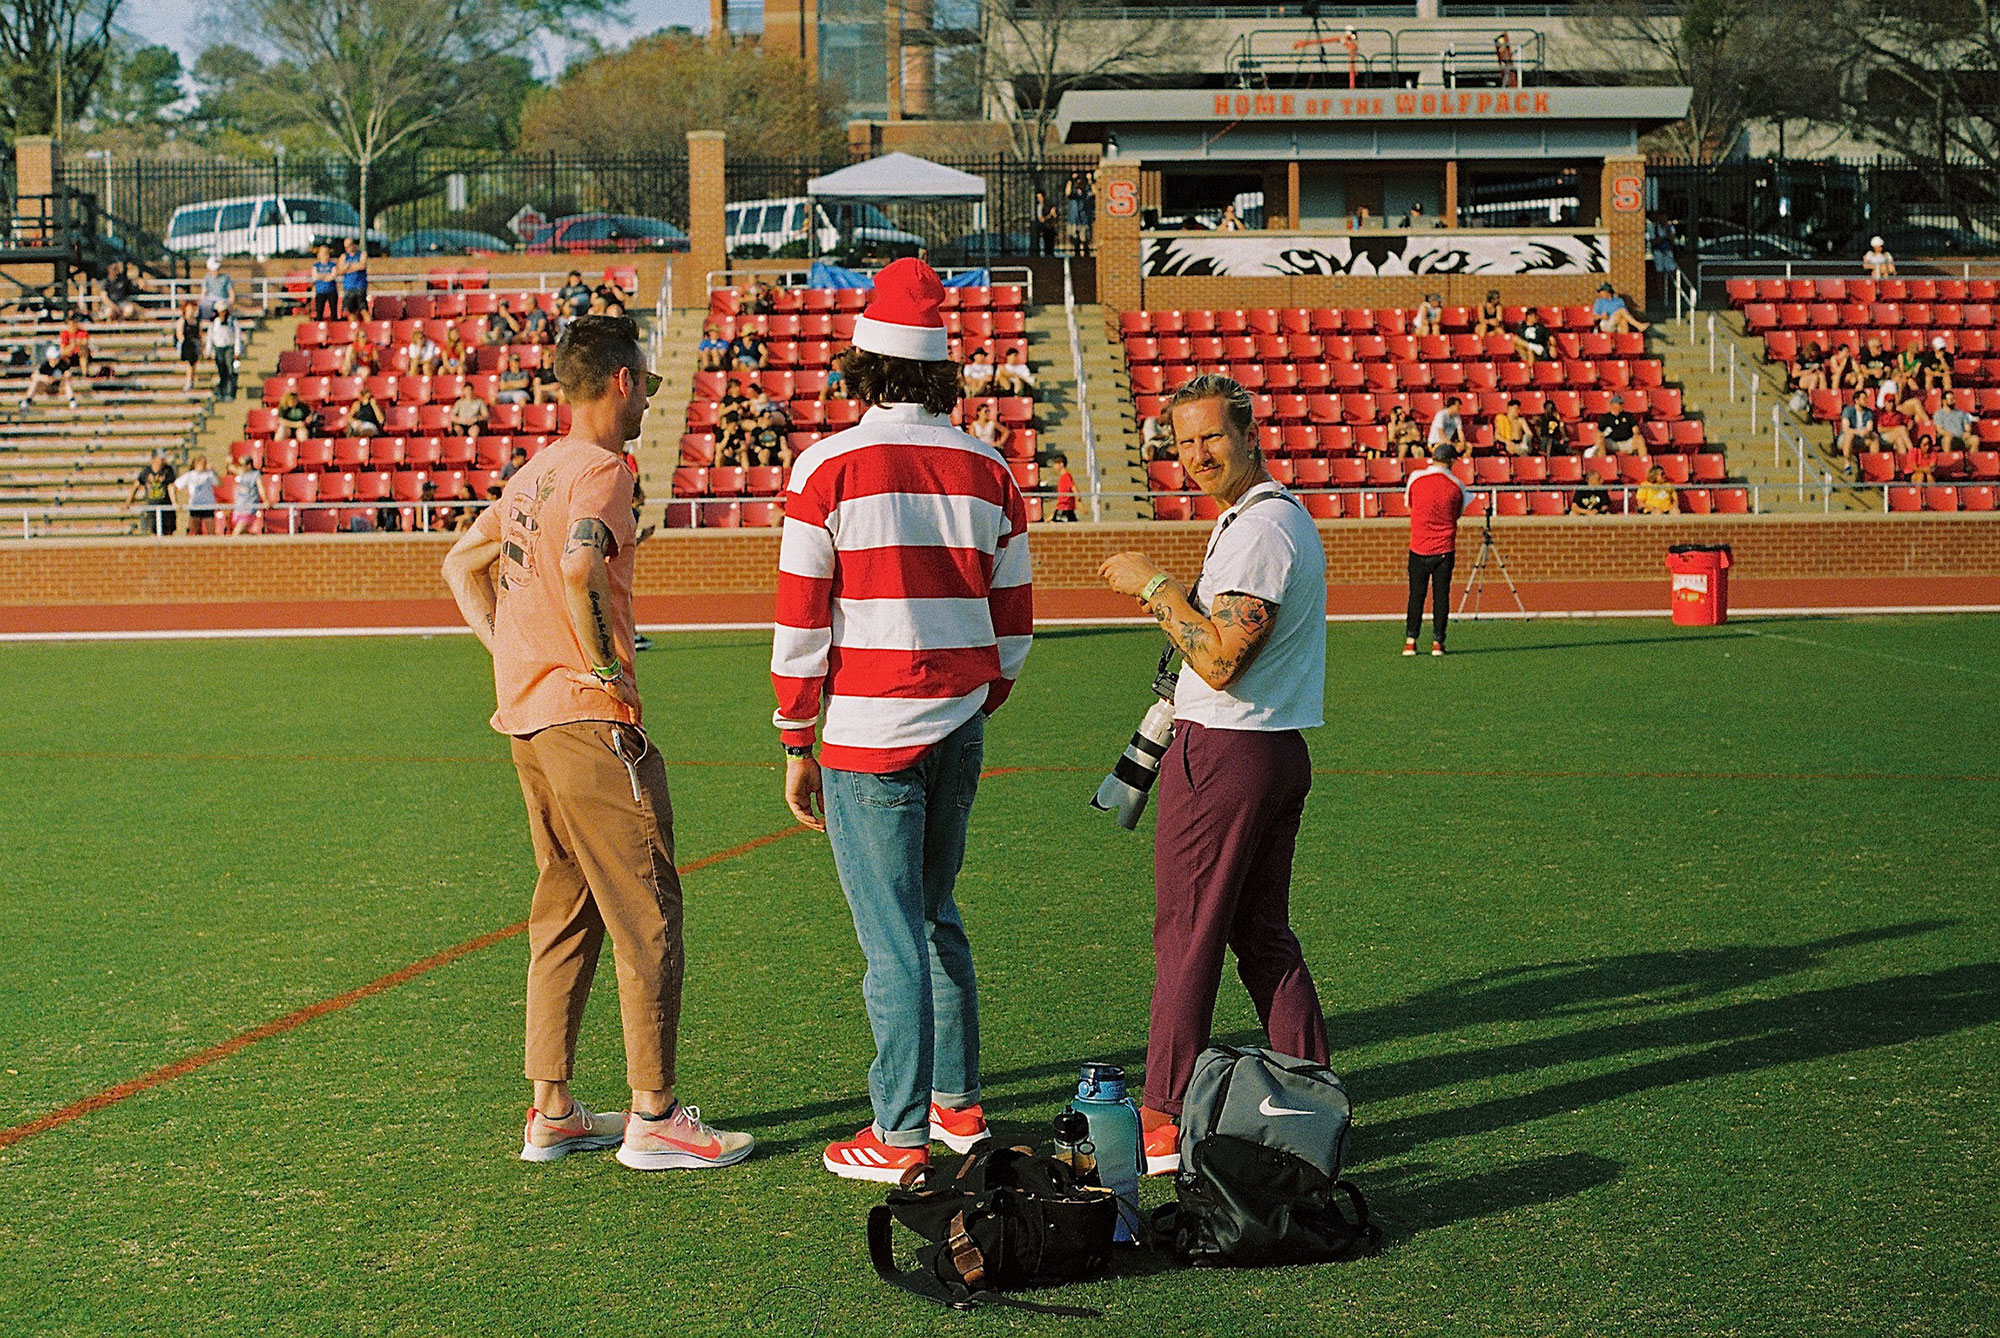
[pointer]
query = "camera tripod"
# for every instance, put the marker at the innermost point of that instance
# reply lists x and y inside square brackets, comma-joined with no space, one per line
[1475,580]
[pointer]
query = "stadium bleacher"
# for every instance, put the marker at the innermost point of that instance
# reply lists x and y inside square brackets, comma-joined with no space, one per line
[1323,381]
[1902,314]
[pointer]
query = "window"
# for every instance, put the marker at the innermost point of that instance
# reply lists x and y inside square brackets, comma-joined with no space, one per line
[193,222]
[795,218]
[305,209]
[774,217]
[267,216]
[235,217]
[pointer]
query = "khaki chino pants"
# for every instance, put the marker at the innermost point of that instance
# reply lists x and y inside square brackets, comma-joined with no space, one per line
[603,831]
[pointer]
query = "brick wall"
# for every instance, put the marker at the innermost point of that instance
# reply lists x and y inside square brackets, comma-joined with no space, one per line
[708,242]
[721,564]
[1117,235]
[1622,207]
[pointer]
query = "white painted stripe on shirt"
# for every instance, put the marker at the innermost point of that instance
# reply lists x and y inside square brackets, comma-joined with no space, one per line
[1014,654]
[805,549]
[800,652]
[917,520]
[897,722]
[920,430]
[1012,565]
[911,624]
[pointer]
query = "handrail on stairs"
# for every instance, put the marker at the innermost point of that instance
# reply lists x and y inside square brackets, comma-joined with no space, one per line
[1082,394]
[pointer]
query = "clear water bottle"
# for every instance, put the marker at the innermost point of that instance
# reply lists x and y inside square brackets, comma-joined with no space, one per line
[1073,1146]
[1114,1128]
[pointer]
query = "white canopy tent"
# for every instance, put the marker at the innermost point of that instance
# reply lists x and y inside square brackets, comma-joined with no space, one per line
[893,179]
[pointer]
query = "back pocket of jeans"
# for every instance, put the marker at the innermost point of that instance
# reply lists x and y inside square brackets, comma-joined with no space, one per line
[895,789]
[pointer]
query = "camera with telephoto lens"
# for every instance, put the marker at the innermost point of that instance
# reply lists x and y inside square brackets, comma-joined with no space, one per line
[1124,791]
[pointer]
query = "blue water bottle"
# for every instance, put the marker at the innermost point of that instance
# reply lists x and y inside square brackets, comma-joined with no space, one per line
[1114,1128]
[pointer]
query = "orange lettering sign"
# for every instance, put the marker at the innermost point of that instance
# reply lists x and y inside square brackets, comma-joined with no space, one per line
[1121,199]
[1627,194]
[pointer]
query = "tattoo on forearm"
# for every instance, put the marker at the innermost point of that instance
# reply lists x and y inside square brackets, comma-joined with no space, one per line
[606,648]
[1201,641]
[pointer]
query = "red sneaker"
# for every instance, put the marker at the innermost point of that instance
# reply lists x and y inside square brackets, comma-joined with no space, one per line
[959,1130]
[1163,1149]
[866,1157]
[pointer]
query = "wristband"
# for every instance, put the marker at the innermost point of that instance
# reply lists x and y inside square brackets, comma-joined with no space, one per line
[608,673]
[798,750]
[1152,588]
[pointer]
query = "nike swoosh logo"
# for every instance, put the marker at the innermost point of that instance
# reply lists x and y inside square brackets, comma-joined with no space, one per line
[712,1148]
[1265,1107]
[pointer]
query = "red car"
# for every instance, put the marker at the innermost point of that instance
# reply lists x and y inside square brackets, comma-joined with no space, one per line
[583,233]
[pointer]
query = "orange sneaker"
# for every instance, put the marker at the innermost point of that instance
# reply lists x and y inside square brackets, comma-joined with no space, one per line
[578,1131]
[866,1157]
[683,1143]
[1163,1149]
[959,1130]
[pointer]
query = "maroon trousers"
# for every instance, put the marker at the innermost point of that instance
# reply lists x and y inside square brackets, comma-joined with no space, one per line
[1229,808]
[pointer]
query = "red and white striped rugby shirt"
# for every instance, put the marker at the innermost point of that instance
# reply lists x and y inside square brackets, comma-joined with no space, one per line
[905,601]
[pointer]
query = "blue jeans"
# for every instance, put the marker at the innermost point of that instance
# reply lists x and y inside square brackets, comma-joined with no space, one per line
[898,842]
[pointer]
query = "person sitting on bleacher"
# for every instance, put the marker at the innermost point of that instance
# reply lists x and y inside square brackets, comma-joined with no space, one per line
[548,390]
[1953,426]
[363,417]
[501,327]
[360,358]
[1532,340]
[454,358]
[1618,430]
[1877,260]
[1613,316]
[536,327]
[121,289]
[1589,500]
[608,299]
[53,367]
[1933,366]
[1842,371]
[1809,371]
[1429,319]
[515,459]
[748,350]
[1857,425]
[1511,432]
[712,353]
[295,418]
[1874,362]
[1405,438]
[836,384]
[756,298]
[988,428]
[468,411]
[515,386]
[1896,414]
[1448,425]
[1014,376]
[976,377]
[421,354]
[1551,433]
[573,298]
[1491,317]
[1655,496]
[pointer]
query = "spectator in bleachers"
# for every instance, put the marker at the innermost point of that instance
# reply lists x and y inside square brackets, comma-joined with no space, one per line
[198,486]
[1933,366]
[1448,425]
[1618,430]
[1429,319]
[1065,507]
[1364,221]
[363,417]
[1809,370]
[187,342]
[976,377]
[1013,376]
[988,428]
[468,412]
[536,327]
[1405,438]
[454,358]
[1843,372]
[1613,316]
[607,295]
[547,389]
[121,292]
[1877,260]
[218,290]
[155,487]
[1896,415]
[1551,433]
[295,417]
[1490,318]
[1532,341]
[748,351]
[1874,361]
[573,298]
[515,386]
[836,383]
[1511,432]
[53,368]
[501,327]
[73,341]
[1655,496]
[354,280]
[326,284]
[1503,56]
[225,345]
[421,354]
[712,353]
[1857,426]
[1953,426]
[1589,500]
[361,357]
[1229,222]
[515,459]
[245,509]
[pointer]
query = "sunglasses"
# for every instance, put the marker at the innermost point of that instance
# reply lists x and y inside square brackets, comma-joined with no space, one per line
[653,383]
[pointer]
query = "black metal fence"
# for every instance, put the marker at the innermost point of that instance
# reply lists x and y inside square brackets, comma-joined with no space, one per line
[1823,209]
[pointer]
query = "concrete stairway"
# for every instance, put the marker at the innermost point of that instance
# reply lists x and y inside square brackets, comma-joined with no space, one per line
[1121,473]
[659,446]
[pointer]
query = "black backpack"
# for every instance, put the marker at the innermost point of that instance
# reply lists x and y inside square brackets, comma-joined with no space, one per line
[1262,1139]
[1000,1219]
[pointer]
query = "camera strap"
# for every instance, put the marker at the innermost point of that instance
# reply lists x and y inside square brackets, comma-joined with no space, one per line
[1263,492]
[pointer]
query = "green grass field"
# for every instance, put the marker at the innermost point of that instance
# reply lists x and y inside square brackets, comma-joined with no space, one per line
[1663,966]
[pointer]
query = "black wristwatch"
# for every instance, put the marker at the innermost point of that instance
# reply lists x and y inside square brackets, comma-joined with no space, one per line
[798,750]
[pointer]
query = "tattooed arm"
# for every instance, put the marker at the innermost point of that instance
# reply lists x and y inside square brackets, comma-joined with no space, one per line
[1219,645]
[586,575]
[468,570]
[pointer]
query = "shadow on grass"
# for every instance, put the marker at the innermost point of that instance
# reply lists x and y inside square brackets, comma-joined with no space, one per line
[1658,1001]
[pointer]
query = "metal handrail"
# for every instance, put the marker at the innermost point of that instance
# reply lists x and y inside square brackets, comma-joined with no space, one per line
[1082,394]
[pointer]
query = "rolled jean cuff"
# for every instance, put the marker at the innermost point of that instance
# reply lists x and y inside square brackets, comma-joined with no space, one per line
[903,1138]
[956,1100]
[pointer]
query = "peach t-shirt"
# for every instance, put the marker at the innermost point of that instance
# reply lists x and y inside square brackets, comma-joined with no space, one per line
[537,658]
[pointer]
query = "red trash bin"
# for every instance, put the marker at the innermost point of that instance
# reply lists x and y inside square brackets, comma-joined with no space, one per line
[1699,595]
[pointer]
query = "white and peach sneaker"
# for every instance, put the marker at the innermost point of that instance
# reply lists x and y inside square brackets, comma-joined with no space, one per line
[579,1131]
[866,1157]
[683,1142]
[960,1130]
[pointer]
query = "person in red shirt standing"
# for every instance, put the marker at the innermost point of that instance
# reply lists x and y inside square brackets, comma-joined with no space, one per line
[1437,500]
[1065,488]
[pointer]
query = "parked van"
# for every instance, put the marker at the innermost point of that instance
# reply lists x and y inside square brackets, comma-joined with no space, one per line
[264,225]
[774,224]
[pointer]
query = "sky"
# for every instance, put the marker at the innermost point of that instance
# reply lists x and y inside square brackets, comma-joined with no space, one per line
[187,25]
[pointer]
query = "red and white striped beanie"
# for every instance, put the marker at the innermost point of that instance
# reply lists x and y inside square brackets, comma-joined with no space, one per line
[905,318]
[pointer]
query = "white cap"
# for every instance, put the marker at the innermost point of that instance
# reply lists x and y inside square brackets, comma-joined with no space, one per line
[1874,241]
[1937,341]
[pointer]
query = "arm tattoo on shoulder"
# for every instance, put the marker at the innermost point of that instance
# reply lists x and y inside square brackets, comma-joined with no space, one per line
[1253,615]
[588,533]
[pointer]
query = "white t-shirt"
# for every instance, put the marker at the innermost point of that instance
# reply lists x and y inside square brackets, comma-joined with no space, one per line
[1877,262]
[1270,549]
[1445,426]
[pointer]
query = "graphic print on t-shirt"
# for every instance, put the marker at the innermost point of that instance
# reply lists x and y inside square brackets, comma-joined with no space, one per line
[517,535]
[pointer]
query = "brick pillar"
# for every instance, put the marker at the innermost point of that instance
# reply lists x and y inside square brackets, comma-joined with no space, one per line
[34,165]
[1623,214]
[708,243]
[718,21]
[1451,192]
[1119,287]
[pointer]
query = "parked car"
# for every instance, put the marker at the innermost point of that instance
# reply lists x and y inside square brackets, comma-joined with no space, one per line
[1920,239]
[448,241]
[1754,246]
[582,233]
[265,225]
[767,227]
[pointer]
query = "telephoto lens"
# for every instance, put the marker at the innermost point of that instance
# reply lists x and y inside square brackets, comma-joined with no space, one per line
[1124,791]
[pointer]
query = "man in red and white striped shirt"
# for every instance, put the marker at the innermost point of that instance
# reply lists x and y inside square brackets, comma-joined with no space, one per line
[905,611]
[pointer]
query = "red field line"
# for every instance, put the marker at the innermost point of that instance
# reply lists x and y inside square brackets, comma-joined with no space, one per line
[498,759]
[55,1119]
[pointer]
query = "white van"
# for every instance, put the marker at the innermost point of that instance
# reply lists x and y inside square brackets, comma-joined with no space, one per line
[265,225]
[772,224]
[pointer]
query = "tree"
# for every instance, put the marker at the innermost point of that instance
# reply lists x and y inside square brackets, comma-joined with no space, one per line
[377,78]
[767,104]
[144,84]
[53,55]
[1745,60]
[1038,50]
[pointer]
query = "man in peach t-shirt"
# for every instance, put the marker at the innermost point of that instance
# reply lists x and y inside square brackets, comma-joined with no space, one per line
[544,577]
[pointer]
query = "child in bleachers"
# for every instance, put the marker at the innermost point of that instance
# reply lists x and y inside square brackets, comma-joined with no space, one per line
[713,351]
[1065,507]
[245,517]
[294,417]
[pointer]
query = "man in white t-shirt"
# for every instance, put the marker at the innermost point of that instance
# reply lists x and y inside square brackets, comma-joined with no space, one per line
[1877,260]
[1448,425]
[1252,634]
